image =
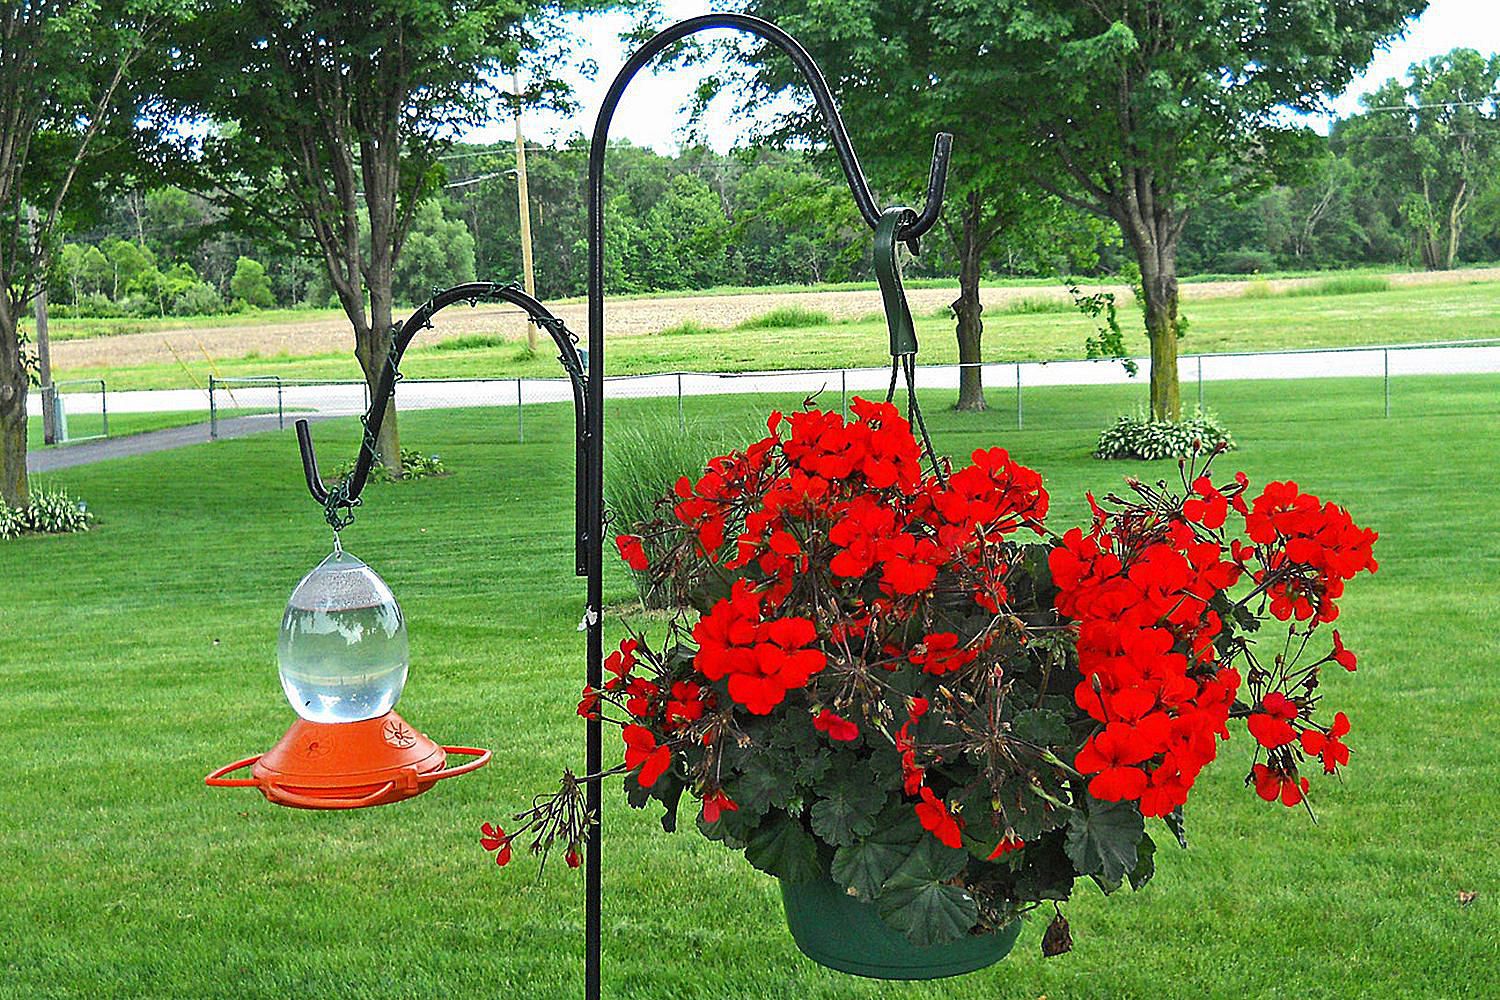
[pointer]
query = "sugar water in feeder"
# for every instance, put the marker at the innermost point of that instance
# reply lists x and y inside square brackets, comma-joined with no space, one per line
[343,660]
[342,652]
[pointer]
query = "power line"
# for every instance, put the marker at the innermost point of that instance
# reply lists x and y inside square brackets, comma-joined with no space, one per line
[1447,105]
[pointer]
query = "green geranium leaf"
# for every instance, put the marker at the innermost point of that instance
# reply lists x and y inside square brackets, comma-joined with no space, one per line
[1102,840]
[760,786]
[847,814]
[850,799]
[1145,865]
[865,866]
[782,848]
[1043,728]
[920,901]
[1175,823]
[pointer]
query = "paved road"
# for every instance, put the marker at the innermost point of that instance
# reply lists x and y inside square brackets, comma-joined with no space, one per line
[345,399]
[88,452]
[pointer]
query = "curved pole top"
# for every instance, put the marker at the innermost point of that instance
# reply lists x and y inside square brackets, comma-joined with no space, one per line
[916,225]
[346,493]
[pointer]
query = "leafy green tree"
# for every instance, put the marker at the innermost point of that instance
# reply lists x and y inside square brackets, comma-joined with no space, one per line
[68,91]
[793,224]
[333,112]
[1436,140]
[901,75]
[250,284]
[439,252]
[683,238]
[127,262]
[1141,113]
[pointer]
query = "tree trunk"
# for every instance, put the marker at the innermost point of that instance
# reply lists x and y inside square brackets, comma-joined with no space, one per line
[1159,283]
[14,489]
[1455,223]
[372,346]
[967,308]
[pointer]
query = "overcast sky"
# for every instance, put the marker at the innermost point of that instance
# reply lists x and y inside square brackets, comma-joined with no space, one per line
[650,114]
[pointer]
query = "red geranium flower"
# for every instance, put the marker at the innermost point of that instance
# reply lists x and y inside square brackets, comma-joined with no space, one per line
[1209,508]
[1009,842]
[1329,748]
[1271,724]
[837,728]
[934,816]
[1272,784]
[632,551]
[715,804]
[939,653]
[1343,655]
[1111,757]
[642,752]
[493,838]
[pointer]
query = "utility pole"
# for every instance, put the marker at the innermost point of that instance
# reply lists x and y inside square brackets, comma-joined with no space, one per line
[523,196]
[44,349]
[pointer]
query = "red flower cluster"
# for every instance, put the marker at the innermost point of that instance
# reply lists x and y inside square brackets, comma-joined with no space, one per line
[1307,549]
[1147,655]
[1143,586]
[763,659]
[848,592]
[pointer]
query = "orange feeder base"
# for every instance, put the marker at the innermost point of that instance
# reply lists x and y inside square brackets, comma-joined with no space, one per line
[348,765]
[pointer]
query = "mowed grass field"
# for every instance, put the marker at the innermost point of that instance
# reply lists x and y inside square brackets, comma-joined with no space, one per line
[140,656]
[1348,311]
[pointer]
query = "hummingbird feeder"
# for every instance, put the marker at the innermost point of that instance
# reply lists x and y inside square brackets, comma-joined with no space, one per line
[343,661]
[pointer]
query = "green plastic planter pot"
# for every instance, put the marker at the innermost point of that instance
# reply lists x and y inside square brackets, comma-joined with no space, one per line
[834,929]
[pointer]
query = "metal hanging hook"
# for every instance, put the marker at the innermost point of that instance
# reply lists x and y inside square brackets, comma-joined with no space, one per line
[906,230]
[338,502]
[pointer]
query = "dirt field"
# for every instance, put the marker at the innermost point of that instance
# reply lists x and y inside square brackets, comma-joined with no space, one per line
[626,317]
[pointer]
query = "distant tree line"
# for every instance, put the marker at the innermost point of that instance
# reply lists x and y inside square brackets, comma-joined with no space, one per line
[1413,180]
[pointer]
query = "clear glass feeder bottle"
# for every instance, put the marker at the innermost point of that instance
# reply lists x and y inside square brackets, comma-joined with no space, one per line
[343,651]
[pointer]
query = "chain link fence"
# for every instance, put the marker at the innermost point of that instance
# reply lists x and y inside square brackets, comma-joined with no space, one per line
[1385,381]
[79,409]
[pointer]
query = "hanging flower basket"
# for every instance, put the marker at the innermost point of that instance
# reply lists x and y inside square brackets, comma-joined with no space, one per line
[926,712]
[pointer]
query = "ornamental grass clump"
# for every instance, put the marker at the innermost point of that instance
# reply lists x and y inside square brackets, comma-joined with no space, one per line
[906,683]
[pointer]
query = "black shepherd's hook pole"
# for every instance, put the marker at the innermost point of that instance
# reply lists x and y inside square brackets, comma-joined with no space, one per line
[339,501]
[591,539]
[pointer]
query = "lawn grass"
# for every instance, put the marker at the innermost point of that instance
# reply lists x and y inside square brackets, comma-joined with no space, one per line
[1338,316]
[141,655]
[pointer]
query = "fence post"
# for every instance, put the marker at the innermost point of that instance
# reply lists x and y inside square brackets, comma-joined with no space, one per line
[681,420]
[1020,416]
[280,412]
[1200,383]
[1386,354]
[520,420]
[104,406]
[843,390]
[213,410]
